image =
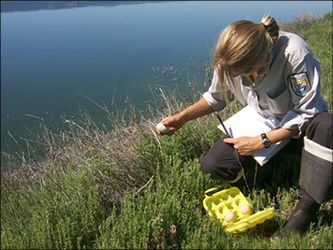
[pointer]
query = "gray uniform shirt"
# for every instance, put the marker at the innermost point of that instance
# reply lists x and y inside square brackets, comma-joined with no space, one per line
[289,90]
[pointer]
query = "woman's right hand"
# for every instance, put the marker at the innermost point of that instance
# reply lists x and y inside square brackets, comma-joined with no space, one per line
[174,122]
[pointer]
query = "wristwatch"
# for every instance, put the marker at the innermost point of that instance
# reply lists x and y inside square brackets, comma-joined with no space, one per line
[265,140]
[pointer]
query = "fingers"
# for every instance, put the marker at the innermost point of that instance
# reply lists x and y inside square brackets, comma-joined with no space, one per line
[165,127]
[167,121]
[236,145]
[229,140]
[172,122]
[171,131]
[244,145]
[234,142]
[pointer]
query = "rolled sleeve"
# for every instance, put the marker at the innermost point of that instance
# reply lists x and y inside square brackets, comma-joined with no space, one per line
[214,96]
[213,101]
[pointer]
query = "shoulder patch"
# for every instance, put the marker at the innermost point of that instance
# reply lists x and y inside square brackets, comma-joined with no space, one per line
[300,83]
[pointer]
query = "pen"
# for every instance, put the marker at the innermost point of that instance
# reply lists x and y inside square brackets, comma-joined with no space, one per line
[219,118]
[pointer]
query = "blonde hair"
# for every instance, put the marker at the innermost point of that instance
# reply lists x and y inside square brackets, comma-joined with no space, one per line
[243,44]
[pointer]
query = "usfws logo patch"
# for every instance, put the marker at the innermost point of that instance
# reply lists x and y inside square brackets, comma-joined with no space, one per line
[300,83]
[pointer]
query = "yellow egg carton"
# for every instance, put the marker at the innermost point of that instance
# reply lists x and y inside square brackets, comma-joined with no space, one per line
[232,202]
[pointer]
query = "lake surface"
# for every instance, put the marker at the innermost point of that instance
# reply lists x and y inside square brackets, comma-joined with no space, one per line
[54,62]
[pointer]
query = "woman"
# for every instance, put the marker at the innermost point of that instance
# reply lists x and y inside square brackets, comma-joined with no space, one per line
[277,74]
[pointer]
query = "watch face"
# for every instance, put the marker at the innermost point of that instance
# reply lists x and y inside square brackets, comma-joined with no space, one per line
[266,143]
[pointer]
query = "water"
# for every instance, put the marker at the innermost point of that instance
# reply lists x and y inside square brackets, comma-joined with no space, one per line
[55,61]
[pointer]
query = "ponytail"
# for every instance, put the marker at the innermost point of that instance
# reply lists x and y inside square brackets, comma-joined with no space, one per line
[271,27]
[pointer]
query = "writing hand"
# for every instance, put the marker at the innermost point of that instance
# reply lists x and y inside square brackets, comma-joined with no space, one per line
[246,146]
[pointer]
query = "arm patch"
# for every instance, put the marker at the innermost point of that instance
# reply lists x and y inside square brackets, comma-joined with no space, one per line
[300,83]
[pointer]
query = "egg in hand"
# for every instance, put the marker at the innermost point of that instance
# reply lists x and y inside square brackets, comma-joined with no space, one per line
[162,128]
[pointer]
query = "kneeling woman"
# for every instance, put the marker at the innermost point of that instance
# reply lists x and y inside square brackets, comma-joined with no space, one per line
[276,73]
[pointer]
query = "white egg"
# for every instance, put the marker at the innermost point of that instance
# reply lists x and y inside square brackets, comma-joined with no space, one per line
[163,129]
[229,217]
[246,209]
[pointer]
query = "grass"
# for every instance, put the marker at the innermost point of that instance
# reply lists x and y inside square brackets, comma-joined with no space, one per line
[129,188]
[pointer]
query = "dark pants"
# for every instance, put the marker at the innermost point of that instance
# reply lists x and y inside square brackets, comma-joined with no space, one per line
[223,161]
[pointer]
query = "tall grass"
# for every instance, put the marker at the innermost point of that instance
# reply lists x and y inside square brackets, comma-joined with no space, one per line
[129,188]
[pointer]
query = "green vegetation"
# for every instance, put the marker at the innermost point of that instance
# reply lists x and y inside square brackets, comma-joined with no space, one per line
[130,188]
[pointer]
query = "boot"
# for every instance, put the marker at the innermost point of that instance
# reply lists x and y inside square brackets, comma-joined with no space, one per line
[316,179]
[298,222]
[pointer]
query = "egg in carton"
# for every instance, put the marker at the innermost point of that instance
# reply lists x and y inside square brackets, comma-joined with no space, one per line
[233,210]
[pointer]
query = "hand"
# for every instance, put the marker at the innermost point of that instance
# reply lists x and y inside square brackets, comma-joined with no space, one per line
[175,122]
[198,109]
[246,146]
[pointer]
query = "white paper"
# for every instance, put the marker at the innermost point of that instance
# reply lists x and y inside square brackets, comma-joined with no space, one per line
[247,122]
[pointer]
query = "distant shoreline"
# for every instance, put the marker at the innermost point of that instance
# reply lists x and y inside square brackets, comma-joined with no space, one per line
[16,6]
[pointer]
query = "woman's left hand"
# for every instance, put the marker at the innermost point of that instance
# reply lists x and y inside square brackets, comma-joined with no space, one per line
[246,145]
